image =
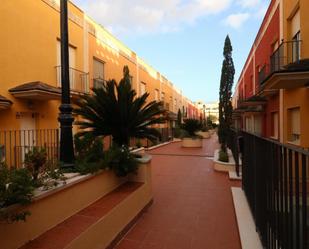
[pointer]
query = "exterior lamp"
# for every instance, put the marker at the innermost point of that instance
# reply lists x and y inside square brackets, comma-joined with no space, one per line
[65,117]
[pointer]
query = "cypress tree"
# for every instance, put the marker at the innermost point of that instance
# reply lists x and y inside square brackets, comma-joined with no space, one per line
[179,118]
[225,94]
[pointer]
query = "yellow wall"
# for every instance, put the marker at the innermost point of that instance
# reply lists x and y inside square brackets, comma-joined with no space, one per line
[297,97]
[29,53]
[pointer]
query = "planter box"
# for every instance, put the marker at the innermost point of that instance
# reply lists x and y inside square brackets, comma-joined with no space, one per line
[222,166]
[203,134]
[192,142]
[52,207]
[211,132]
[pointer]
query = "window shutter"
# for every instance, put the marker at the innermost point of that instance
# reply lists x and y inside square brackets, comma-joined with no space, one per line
[295,24]
[295,121]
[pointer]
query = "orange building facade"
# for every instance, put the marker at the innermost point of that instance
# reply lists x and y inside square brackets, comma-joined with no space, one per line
[30,64]
[271,97]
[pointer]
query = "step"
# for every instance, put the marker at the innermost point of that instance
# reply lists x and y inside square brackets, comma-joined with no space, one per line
[67,233]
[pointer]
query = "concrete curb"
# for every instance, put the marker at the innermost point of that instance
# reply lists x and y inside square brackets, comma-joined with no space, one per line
[248,236]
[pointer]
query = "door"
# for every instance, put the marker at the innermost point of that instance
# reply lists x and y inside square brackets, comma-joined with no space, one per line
[27,136]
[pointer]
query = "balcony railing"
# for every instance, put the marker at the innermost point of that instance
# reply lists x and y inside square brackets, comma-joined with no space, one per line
[15,144]
[287,53]
[276,184]
[79,80]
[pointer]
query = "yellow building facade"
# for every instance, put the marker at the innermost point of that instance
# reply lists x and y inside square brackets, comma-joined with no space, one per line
[30,64]
[294,83]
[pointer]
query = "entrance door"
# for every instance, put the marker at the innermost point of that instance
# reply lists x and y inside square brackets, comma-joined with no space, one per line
[27,135]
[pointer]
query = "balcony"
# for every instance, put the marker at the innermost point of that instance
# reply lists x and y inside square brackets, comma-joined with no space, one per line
[79,81]
[286,68]
[254,104]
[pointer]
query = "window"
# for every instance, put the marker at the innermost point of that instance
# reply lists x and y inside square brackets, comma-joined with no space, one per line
[274,125]
[142,88]
[248,124]
[157,95]
[295,35]
[257,125]
[98,73]
[296,48]
[163,96]
[294,125]
[175,105]
[72,58]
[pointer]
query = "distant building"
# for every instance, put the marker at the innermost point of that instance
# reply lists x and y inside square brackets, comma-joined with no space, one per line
[212,110]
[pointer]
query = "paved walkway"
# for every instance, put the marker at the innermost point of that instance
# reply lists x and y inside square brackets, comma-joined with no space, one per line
[192,207]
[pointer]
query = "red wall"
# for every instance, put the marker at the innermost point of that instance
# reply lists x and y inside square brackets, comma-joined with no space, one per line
[264,50]
[272,106]
[248,81]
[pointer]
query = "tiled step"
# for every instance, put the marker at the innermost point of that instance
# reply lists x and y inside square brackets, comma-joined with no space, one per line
[62,235]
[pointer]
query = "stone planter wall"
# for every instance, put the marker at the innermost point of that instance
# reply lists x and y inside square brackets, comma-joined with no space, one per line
[51,207]
[222,166]
[203,134]
[192,142]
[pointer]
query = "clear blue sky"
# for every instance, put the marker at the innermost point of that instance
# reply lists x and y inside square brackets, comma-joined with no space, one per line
[183,39]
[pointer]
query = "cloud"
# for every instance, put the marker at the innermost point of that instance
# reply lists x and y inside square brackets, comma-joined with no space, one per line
[249,3]
[236,20]
[261,11]
[148,16]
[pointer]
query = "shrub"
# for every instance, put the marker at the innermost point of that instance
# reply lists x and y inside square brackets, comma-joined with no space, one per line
[35,161]
[88,153]
[121,161]
[52,174]
[16,187]
[223,156]
[116,110]
[191,126]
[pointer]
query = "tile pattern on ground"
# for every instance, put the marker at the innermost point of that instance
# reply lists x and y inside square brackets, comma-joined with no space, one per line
[193,206]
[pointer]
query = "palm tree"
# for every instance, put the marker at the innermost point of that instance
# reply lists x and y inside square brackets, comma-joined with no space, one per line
[116,110]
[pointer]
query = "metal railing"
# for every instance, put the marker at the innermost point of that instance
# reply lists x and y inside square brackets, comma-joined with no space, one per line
[15,144]
[275,181]
[287,53]
[79,80]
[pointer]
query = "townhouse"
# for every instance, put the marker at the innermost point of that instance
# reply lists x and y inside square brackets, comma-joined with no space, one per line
[271,97]
[30,64]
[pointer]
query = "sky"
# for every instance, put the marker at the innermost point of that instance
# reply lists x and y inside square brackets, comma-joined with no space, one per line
[183,39]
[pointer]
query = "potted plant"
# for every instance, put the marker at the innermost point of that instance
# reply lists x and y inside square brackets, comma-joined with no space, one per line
[115,110]
[204,132]
[190,138]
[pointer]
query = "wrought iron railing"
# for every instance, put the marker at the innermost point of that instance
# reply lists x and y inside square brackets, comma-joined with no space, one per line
[79,80]
[275,181]
[287,53]
[15,144]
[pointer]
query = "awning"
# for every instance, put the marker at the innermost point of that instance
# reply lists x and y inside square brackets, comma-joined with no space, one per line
[36,91]
[5,103]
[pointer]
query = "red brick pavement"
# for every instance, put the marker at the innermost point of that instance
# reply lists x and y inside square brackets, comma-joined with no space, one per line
[192,207]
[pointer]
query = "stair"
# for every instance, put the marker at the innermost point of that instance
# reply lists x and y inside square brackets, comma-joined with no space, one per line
[93,224]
